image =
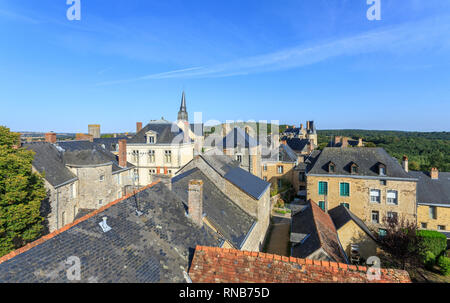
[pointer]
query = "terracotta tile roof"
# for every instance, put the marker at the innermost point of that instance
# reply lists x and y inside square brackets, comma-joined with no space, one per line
[219,265]
[323,235]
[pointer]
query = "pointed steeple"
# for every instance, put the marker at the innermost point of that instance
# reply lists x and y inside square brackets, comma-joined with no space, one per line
[182,114]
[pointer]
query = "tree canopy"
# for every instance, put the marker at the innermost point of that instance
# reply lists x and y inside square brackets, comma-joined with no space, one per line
[21,193]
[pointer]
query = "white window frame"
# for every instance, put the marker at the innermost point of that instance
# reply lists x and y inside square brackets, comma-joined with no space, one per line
[371,216]
[379,196]
[396,196]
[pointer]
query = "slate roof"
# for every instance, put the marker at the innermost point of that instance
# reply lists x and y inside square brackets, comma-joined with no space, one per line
[283,154]
[314,222]
[110,144]
[431,191]
[154,247]
[366,158]
[218,265]
[297,144]
[86,153]
[167,133]
[227,217]
[238,137]
[341,215]
[246,181]
[49,160]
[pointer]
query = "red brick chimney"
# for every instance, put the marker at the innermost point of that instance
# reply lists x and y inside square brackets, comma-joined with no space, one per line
[195,201]
[123,153]
[405,163]
[344,142]
[434,173]
[50,137]
[284,142]
[138,126]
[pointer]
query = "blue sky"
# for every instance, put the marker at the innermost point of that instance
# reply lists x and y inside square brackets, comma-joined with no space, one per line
[129,60]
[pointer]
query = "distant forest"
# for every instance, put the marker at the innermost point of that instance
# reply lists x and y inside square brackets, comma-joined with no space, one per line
[424,150]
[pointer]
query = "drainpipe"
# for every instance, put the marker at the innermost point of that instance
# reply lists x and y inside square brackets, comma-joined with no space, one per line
[57,208]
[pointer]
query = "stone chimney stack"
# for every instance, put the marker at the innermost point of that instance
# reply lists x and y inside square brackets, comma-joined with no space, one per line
[94,130]
[360,142]
[344,142]
[405,163]
[301,126]
[138,127]
[123,153]
[50,137]
[308,125]
[434,173]
[337,140]
[195,201]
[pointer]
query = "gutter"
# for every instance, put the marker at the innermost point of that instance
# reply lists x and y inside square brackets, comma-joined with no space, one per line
[67,182]
[248,234]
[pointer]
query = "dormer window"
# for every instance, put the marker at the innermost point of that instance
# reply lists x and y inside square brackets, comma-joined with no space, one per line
[331,167]
[354,168]
[381,169]
[151,137]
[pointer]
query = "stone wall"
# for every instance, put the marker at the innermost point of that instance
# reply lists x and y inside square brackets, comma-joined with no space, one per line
[350,234]
[443,217]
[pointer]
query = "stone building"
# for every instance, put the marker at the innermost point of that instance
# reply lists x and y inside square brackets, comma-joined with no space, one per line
[78,175]
[368,181]
[279,165]
[339,141]
[433,200]
[236,203]
[239,145]
[355,237]
[163,147]
[309,133]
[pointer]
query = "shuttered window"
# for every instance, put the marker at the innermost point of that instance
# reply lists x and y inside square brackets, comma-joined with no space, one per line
[323,188]
[345,189]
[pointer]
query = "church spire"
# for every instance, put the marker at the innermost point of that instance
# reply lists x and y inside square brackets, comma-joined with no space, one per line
[182,114]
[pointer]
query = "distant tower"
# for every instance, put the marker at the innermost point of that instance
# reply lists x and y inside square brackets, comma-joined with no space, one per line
[182,114]
[94,130]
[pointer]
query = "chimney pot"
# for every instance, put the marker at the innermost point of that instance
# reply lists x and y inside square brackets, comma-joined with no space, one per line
[195,201]
[123,153]
[50,137]
[434,173]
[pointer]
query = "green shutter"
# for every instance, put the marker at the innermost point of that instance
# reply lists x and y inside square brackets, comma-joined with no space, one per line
[323,188]
[345,189]
[322,205]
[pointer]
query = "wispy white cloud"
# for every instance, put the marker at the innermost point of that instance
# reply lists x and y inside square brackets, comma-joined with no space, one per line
[18,17]
[428,35]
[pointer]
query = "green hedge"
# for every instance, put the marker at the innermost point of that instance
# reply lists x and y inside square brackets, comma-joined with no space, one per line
[444,263]
[429,259]
[432,241]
